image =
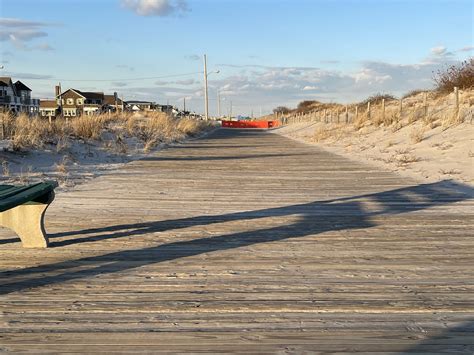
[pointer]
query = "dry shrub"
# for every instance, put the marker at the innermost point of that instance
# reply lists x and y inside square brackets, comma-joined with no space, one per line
[30,132]
[413,93]
[121,146]
[5,168]
[458,75]
[321,134]
[306,106]
[449,172]
[154,127]
[191,127]
[405,159]
[89,127]
[417,135]
[61,168]
[377,99]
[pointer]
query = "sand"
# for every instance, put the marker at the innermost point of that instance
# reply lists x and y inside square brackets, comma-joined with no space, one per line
[74,163]
[442,154]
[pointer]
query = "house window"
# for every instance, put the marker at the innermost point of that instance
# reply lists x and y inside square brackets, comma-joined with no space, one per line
[70,101]
[79,101]
[73,112]
[58,101]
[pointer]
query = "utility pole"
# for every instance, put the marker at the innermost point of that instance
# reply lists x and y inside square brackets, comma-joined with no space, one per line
[60,101]
[184,105]
[230,116]
[206,100]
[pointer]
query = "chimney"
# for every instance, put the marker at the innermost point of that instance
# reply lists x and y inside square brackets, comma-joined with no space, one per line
[57,90]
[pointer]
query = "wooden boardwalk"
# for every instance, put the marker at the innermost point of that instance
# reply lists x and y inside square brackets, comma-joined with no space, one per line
[245,242]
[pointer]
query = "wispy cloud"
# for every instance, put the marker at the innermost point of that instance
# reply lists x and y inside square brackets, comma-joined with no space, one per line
[18,32]
[43,47]
[119,84]
[440,51]
[31,76]
[186,82]
[194,57]
[160,8]
[466,49]
[125,67]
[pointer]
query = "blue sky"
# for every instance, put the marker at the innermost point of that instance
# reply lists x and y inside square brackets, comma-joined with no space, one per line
[269,53]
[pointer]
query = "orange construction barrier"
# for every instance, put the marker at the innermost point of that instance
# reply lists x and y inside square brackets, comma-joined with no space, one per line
[250,124]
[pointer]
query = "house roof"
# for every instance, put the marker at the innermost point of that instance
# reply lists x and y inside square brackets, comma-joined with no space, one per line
[136,102]
[86,94]
[19,86]
[48,104]
[6,81]
[91,95]
[110,100]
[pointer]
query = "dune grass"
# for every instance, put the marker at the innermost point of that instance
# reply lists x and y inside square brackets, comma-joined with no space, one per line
[26,133]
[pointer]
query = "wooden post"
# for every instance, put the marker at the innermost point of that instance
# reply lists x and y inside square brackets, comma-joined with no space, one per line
[368,110]
[383,110]
[347,114]
[425,104]
[356,113]
[456,98]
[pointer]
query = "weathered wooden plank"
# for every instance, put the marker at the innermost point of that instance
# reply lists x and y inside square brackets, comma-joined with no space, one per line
[245,242]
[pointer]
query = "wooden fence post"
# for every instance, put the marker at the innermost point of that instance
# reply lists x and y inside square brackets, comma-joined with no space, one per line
[347,114]
[356,113]
[368,110]
[383,110]
[456,97]
[425,104]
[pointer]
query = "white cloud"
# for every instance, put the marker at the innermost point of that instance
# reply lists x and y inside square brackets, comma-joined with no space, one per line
[440,51]
[44,47]
[156,7]
[466,49]
[16,22]
[186,82]
[255,86]
[31,76]
[18,32]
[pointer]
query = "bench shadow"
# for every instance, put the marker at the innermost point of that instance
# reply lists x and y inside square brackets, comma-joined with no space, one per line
[454,340]
[312,219]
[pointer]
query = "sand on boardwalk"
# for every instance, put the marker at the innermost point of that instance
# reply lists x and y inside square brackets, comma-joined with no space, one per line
[441,154]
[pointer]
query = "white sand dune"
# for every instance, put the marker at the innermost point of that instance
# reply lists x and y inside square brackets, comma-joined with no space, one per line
[440,155]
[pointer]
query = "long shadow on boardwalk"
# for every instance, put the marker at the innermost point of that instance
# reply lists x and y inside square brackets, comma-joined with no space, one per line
[314,218]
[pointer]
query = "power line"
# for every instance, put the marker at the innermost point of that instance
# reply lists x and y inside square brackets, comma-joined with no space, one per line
[118,79]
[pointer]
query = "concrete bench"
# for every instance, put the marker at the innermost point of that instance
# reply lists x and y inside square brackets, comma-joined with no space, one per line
[22,209]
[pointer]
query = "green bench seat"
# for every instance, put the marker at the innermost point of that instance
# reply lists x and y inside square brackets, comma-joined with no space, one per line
[22,209]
